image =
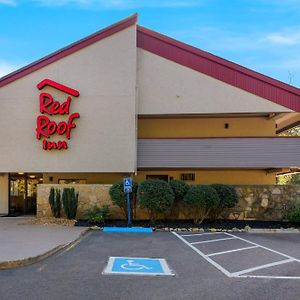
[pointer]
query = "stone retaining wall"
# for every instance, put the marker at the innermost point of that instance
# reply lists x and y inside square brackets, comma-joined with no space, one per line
[264,202]
[260,202]
[89,195]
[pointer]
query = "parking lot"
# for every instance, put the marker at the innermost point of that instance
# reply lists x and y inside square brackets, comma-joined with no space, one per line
[239,257]
[204,266]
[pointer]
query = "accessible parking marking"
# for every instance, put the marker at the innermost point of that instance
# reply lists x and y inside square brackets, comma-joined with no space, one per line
[241,273]
[137,266]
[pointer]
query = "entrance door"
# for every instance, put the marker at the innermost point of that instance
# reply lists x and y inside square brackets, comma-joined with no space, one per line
[22,198]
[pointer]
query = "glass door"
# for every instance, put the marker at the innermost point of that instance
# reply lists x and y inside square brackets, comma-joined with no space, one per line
[22,198]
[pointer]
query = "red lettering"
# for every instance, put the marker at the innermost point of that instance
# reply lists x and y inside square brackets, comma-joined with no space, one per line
[65,107]
[51,128]
[48,145]
[71,124]
[55,108]
[62,128]
[42,123]
[51,145]
[46,127]
[45,100]
[62,145]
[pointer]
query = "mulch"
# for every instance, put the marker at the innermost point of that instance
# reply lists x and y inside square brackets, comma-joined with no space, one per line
[207,224]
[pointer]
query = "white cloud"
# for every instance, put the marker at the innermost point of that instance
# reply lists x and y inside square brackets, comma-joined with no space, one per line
[120,4]
[8,2]
[7,67]
[288,39]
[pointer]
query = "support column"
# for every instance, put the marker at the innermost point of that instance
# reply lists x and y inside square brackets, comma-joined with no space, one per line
[4,196]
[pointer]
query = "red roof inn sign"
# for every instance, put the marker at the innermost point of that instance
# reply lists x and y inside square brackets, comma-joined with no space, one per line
[45,127]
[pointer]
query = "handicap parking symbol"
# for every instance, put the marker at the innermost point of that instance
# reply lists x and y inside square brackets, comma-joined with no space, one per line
[137,266]
[133,265]
[127,183]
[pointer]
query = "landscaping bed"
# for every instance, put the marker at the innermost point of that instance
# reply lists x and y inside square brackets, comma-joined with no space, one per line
[206,225]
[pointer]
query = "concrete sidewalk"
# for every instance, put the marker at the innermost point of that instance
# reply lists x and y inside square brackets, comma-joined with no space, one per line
[21,244]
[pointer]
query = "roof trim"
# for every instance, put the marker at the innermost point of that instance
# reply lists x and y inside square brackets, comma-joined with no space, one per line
[219,68]
[97,36]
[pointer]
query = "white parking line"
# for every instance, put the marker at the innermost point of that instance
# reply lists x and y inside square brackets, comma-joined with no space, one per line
[211,241]
[269,277]
[230,251]
[240,274]
[219,267]
[262,267]
[199,234]
[263,247]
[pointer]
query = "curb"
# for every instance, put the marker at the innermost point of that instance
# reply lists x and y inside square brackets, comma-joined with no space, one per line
[250,230]
[289,230]
[32,260]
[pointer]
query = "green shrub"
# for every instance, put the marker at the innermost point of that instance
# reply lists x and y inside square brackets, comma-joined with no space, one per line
[227,195]
[97,214]
[201,199]
[51,199]
[118,197]
[156,196]
[55,202]
[179,188]
[294,214]
[228,198]
[70,202]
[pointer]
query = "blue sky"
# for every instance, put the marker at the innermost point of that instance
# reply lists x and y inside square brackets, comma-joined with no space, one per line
[263,35]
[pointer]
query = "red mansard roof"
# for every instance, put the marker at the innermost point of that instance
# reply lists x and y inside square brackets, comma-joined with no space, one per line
[191,57]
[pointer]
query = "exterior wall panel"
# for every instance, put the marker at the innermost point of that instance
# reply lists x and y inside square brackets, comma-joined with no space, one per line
[168,88]
[219,153]
[205,127]
[210,176]
[104,140]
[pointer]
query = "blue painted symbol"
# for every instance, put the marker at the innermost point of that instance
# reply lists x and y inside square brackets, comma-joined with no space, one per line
[134,265]
[127,183]
[137,266]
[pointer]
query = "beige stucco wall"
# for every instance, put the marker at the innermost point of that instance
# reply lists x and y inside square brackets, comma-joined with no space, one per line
[4,194]
[104,140]
[165,87]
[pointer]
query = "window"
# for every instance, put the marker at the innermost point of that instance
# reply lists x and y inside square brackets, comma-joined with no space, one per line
[161,177]
[187,176]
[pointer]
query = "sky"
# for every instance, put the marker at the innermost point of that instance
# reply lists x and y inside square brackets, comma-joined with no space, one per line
[263,35]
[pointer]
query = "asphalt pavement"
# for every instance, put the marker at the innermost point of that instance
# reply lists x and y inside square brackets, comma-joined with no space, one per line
[76,273]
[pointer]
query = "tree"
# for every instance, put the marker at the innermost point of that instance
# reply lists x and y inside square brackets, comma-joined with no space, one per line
[295,177]
[295,131]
